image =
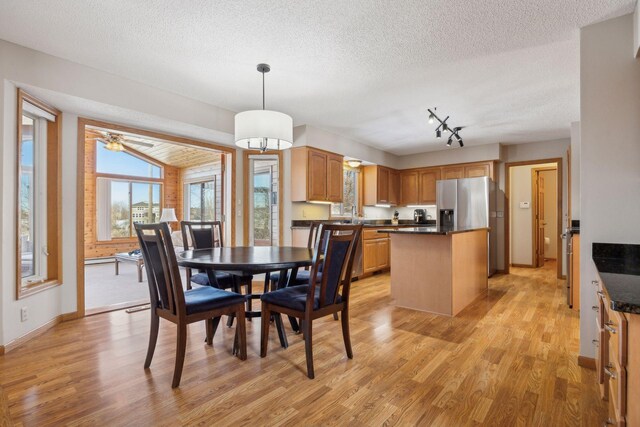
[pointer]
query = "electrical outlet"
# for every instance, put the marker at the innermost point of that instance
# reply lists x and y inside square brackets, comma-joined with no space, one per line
[24,315]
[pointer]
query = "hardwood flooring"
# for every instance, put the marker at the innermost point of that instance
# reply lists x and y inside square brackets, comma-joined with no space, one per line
[508,359]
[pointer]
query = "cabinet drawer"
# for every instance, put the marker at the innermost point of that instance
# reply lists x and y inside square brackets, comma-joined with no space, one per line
[368,234]
[617,388]
[615,326]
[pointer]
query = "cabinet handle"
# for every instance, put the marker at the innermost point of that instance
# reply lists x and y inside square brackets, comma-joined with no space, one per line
[600,294]
[608,422]
[595,308]
[595,282]
[608,327]
[595,342]
[608,371]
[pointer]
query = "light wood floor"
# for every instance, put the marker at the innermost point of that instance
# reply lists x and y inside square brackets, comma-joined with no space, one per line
[509,359]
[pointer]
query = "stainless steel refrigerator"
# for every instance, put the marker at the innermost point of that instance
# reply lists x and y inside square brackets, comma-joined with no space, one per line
[469,203]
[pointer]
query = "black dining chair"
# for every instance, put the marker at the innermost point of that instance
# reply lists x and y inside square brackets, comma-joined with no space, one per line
[171,302]
[334,254]
[302,277]
[204,235]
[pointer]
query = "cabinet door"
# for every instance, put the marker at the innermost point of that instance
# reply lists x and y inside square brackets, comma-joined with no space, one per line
[382,253]
[317,176]
[427,186]
[409,188]
[369,255]
[383,185]
[474,171]
[394,187]
[453,172]
[335,177]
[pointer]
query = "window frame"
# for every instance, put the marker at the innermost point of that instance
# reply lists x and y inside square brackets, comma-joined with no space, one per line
[187,197]
[51,230]
[358,201]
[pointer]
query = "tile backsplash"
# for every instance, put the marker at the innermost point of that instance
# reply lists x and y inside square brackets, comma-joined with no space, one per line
[310,211]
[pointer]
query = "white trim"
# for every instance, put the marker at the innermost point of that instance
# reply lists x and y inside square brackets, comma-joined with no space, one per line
[37,111]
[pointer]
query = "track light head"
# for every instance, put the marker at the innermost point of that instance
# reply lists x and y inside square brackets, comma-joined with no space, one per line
[449,142]
[438,133]
[461,143]
[431,118]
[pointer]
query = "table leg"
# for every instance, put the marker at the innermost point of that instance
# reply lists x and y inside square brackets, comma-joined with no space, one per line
[292,280]
[117,269]
[281,332]
[139,264]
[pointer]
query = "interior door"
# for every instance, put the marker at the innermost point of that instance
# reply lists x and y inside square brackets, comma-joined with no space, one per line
[263,201]
[540,220]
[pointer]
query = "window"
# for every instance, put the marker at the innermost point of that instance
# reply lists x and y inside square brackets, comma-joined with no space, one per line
[38,196]
[202,201]
[349,203]
[121,199]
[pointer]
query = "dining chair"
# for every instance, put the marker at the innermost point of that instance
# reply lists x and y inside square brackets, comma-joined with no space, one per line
[205,235]
[334,254]
[169,301]
[302,277]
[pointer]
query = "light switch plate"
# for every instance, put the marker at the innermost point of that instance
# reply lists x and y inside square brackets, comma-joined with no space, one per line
[524,205]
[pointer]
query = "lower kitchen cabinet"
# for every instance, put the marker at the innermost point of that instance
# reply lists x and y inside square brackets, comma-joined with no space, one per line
[375,251]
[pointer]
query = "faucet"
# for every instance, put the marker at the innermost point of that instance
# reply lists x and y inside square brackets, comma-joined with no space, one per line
[354,214]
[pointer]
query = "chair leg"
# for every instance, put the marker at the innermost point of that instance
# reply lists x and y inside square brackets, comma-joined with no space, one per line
[308,347]
[345,332]
[153,338]
[216,322]
[209,327]
[265,316]
[335,316]
[181,347]
[241,332]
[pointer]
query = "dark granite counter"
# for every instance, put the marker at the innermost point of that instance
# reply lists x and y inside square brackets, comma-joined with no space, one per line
[367,223]
[619,268]
[429,230]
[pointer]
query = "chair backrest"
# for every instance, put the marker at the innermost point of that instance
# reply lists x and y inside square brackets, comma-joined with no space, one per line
[313,234]
[163,274]
[202,234]
[333,256]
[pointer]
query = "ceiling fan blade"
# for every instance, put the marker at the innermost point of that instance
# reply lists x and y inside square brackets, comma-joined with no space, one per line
[144,144]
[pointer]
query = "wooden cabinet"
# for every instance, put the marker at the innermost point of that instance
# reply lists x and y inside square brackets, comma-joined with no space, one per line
[453,172]
[394,187]
[409,188]
[381,186]
[316,175]
[477,170]
[427,186]
[574,266]
[618,361]
[335,178]
[375,251]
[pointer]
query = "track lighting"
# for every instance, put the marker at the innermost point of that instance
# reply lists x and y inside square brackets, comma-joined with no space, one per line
[443,127]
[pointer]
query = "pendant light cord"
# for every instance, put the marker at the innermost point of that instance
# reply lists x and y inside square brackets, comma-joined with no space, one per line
[263,90]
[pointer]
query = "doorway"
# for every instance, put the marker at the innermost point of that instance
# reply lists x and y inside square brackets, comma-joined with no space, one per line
[128,176]
[533,214]
[263,199]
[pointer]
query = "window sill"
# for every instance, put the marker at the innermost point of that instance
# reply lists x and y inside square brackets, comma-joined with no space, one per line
[28,290]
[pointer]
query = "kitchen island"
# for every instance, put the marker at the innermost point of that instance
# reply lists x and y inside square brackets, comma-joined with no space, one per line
[438,270]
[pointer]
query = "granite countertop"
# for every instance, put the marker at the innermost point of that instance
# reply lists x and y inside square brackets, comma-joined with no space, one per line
[430,230]
[367,223]
[619,268]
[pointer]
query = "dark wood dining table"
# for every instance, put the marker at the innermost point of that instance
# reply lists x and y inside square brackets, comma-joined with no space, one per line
[242,261]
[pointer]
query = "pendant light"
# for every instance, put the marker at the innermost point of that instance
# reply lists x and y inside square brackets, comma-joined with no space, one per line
[263,129]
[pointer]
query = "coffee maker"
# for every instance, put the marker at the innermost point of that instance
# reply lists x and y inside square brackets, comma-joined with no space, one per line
[419,216]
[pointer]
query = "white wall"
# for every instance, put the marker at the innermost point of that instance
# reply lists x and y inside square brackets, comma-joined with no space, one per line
[636,30]
[575,170]
[451,155]
[610,151]
[80,89]
[551,232]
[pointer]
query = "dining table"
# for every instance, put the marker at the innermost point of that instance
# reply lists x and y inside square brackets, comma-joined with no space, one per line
[244,261]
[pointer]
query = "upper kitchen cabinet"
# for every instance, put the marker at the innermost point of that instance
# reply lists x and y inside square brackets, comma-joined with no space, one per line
[453,172]
[408,188]
[316,175]
[427,185]
[478,169]
[381,186]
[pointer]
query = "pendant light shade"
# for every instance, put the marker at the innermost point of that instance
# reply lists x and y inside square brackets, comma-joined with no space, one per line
[263,129]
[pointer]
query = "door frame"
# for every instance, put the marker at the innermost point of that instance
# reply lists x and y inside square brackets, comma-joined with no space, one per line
[507,207]
[535,174]
[245,180]
[83,122]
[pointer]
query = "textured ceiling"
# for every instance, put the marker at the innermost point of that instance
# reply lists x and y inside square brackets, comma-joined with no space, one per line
[368,69]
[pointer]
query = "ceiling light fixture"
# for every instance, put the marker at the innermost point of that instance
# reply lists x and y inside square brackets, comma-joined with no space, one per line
[263,130]
[354,163]
[443,127]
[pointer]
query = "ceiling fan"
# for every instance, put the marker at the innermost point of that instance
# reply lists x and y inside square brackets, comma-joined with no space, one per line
[114,141]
